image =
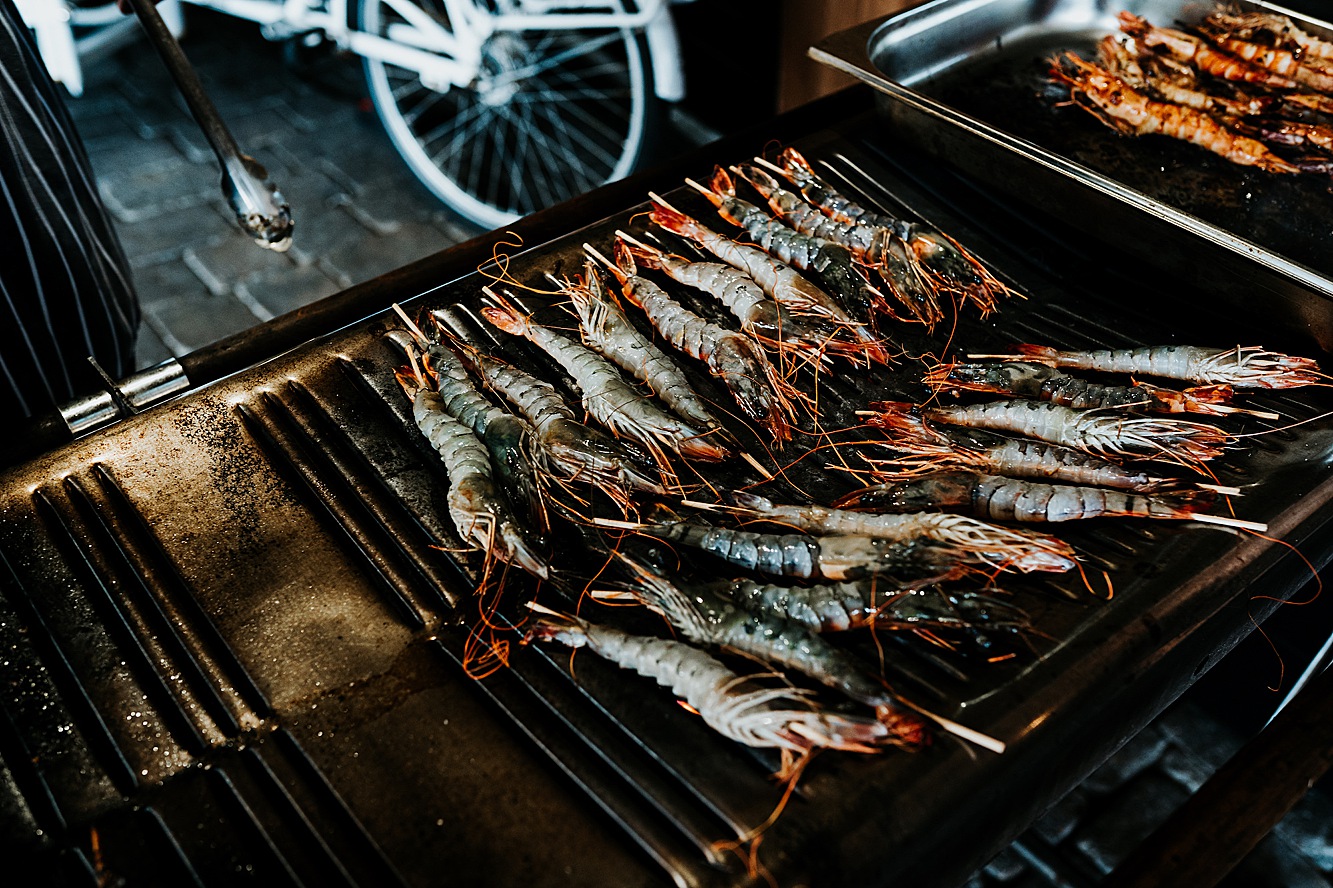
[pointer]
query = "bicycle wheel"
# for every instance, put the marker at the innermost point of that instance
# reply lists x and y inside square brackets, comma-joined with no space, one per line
[551,115]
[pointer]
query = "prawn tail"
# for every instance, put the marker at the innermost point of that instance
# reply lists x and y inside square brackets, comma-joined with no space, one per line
[639,253]
[795,164]
[506,315]
[675,221]
[553,626]
[1040,354]
[1203,399]
[904,728]
[760,180]
[721,183]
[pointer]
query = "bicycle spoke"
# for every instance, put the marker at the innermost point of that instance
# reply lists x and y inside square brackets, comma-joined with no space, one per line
[551,61]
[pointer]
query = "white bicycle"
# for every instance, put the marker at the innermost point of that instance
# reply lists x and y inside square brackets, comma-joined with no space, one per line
[501,107]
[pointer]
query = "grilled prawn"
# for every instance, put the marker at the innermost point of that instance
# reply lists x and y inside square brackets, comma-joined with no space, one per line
[1272,30]
[606,396]
[1188,48]
[1040,382]
[732,357]
[1175,81]
[1242,367]
[973,540]
[1271,55]
[733,705]
[1128,111]
[1101,433]
[997,498]
[478,510]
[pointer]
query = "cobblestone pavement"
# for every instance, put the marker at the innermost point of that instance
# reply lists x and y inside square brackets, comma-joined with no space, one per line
[359,211]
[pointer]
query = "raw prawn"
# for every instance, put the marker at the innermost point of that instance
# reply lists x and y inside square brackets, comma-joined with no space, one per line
[1000,547]
[1242,367]
[570,448]
[925,450]
[1040,382]
[878,248]
[782,717]
[949,267]
[778,279]
[705,617]
[997,498]
[606,329]
[837,557]
[479,512]
[1099,432]
[732,357]
[760,316]
[832,262]
[1128,111]
[835,607]
[606,396]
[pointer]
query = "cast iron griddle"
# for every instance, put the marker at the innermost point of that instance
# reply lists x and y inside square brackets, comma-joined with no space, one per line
[232,634]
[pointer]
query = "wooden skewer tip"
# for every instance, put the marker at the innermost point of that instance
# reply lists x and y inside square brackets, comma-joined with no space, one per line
[1223,521]
[758,467]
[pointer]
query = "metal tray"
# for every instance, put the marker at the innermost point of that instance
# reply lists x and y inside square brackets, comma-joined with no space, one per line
[963,80]
[232,635]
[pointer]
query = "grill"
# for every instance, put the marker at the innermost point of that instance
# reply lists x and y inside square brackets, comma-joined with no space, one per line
[232,635]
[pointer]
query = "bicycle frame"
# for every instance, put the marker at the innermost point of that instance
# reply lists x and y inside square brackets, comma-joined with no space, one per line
[442,57]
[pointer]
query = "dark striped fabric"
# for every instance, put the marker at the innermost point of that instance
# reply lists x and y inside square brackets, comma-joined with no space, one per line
[65,290]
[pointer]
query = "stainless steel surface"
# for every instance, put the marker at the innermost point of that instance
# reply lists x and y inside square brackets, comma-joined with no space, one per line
[140,390]
[909,56]
[260,209]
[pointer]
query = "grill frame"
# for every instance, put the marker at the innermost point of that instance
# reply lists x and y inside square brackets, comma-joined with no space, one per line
[633,803]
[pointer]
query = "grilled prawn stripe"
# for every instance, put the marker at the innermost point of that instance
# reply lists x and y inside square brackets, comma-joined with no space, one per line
[1123,108]
[1175,81]
[704,617]
[973,540]
[1101,433]
[606,396]
[1040,382]
[732,357]
[475,505]
[835,607]
[924,450]
[833,263]
[783,717]
[607,330]
[777,279]
[998,498]
[1242,367]
[760,316]
[1274,57]
[1272,30]
[568,447]
[879,248]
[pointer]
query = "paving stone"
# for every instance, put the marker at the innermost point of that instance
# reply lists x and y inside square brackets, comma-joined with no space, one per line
[368,256]
[1126,817]
[185,325]
[1135,756]
[1191,728]
[135,190]
[1006,866]
[221,263]
[1273,863]
[276,292]
[1309,829]
[1056,824]
[168,281]
[149,349]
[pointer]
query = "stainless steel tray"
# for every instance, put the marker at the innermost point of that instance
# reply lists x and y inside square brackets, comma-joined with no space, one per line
[962,80]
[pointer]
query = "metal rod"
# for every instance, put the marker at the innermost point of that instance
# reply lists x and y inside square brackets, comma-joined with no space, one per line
[260,209]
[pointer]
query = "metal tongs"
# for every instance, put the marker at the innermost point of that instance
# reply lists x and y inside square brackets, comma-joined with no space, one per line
[260,209]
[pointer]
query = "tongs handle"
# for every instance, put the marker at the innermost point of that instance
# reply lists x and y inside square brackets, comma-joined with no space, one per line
[260,209]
